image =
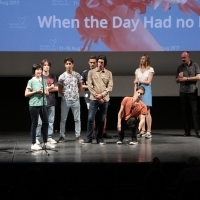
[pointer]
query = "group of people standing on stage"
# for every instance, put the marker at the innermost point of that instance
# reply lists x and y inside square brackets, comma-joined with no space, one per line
[98,83]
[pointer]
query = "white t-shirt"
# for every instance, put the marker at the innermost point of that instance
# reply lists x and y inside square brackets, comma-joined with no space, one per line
[143,76]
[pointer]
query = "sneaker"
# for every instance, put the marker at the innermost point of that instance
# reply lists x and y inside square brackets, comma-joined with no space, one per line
[94,135]
[119,142]
[133,142]
[78,139]
[105,135]
[49,146]
[148,136]
[35,147]
[87,141]
[197,133]
[37,141]
[61,139]
[52,141]
[100,141]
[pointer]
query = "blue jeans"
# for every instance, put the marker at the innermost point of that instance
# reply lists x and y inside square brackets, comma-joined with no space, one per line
[65,107]
[51,116]
[35,112]
[94,105]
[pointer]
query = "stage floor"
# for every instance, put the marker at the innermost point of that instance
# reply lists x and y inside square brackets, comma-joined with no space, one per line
[167,145]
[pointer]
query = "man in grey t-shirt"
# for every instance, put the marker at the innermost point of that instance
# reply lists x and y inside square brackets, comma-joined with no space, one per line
[188,73]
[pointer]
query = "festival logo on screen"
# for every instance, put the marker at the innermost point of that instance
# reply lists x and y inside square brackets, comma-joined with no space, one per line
[65,3]
[69,48]
[9,3]
[61,2]
[50,46]
[19,24]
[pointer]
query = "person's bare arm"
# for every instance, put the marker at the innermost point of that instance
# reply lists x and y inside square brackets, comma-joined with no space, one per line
[29,92]
[121,110]
[53,88]
[80,87]
[149,80]
[135,83]
[60,88]
[142,122]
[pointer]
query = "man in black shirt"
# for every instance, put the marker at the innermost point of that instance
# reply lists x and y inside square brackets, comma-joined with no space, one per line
[188,73]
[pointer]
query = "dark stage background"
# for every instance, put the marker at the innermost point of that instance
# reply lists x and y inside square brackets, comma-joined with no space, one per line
[15,113]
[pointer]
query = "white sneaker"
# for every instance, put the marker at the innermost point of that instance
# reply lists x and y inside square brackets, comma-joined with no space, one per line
[49,146]
[37,141]
[119,142]
[35,147]
[133,142]
[52,141]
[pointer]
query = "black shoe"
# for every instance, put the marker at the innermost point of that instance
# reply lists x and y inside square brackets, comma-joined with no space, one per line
[197,133]
[61,139]
[87,141]
[94,136]
[78,139]
[186,134]
[105,135]
[100,141]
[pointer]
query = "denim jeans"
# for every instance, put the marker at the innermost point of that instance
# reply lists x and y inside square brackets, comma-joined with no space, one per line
[35,112]
[65,107]
[132,123]
[51,116]
[94,105]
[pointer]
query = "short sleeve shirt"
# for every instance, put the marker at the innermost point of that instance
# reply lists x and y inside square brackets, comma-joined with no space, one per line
[70,85]
[143,76]
[84,77]
[51,98]
[35,84]
[138,109]
[192,70]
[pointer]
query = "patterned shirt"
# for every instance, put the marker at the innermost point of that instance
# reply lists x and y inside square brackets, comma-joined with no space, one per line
[100,82]
[70,85]
[190,71]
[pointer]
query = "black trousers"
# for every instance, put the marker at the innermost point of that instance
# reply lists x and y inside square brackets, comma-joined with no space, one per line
[132,123]
[189,103]
[35,112]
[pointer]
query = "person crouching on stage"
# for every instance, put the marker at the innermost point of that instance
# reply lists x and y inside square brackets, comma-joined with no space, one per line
[132,111]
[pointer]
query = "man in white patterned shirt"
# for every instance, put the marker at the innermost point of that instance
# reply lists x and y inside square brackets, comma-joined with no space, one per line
[69,86]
